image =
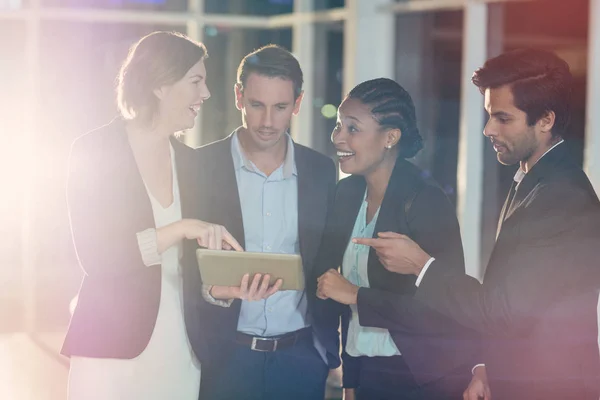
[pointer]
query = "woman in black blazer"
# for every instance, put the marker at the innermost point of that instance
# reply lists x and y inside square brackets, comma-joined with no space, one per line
[375,133]
[131,198]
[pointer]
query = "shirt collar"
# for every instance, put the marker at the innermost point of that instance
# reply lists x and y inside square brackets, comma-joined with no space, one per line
[241,161]
[520,175]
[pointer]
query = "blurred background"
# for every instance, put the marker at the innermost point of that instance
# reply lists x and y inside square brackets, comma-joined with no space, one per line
[59,60]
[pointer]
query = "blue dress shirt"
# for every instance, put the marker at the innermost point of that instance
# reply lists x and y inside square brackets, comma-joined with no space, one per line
[270,215]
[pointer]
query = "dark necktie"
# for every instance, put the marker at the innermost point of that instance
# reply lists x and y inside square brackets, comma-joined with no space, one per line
[507,206]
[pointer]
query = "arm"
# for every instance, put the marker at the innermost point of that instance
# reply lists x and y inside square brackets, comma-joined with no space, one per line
[107,232]
[434,226]
[551,259]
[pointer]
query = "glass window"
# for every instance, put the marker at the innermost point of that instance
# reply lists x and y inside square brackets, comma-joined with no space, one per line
[158,5]
[328,79]
[252,7]
[328,4]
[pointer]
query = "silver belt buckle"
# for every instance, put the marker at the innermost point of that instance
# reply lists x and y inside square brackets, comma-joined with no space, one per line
[256,339]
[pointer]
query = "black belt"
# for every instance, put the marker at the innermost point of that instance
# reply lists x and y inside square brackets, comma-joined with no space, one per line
[273,343]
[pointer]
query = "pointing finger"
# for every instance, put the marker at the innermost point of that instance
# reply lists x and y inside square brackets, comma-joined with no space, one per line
[368,242]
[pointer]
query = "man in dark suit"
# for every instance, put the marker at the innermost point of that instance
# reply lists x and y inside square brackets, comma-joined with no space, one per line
[537,305]
[273,195]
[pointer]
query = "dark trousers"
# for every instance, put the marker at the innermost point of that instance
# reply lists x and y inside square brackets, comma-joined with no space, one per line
[389,378]
[296,372]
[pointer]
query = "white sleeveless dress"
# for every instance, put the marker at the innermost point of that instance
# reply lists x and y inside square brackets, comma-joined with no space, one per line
[167,368]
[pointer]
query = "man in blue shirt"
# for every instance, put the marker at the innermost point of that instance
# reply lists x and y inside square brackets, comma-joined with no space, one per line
[273,196]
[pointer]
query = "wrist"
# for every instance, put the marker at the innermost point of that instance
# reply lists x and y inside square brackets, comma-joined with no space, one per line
[421,262]
[221,293]
[479,371]
[354,298]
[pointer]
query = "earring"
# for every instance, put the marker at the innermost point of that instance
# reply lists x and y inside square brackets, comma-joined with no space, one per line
[388,146]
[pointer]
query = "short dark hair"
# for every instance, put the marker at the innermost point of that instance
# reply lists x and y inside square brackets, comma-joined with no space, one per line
[393,108]
[160,58]
[271,61]
[540,82]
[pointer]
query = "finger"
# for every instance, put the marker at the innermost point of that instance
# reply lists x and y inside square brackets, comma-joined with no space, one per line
[254,287]
[322,296]
[266,280]
[218,237]
[211,237]
[368,241]
[226,246]
[203,239]
[275,288]
[391,235]
[228,237]
[244,286]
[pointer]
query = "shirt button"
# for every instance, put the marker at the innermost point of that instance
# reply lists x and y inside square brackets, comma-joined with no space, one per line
[270,309]
[268,247]
[268,214]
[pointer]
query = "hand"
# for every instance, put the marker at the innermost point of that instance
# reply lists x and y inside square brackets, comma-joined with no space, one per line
[349,394]
[259,289]
[479,388]
[398,253]
[332,285]
[210,236]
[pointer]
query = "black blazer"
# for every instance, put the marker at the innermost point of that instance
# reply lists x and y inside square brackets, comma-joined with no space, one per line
[439,346]
[537,304]
[220,203]
[108,204]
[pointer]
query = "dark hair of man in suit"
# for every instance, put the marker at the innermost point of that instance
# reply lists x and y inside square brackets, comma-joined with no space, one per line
[540,82]
[272,61]
[393,108]
[156,60]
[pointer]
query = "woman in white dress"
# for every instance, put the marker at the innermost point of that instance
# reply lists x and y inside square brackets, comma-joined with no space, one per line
[131,206]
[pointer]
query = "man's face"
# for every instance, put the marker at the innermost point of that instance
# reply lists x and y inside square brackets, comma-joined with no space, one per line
[267,105]
[513,140]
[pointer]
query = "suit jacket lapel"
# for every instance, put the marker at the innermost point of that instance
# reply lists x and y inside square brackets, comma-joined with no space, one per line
[351,203]
[400,187]
[507,202]
[531,179]
[228,195]
[304,202]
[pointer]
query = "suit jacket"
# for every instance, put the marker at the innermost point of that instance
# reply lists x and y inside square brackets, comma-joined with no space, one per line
[439,346]
[220,203]
[108,204]
[537,304]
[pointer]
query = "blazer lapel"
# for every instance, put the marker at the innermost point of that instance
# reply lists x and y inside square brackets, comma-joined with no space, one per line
[352,203]
[505,207]
[531,179]
[400,187]
[304,203]
[312,207]
[228,201]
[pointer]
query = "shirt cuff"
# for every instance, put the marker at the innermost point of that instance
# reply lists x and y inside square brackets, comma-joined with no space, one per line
[423,271]
[211,300]
[473,369]
[147,243]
